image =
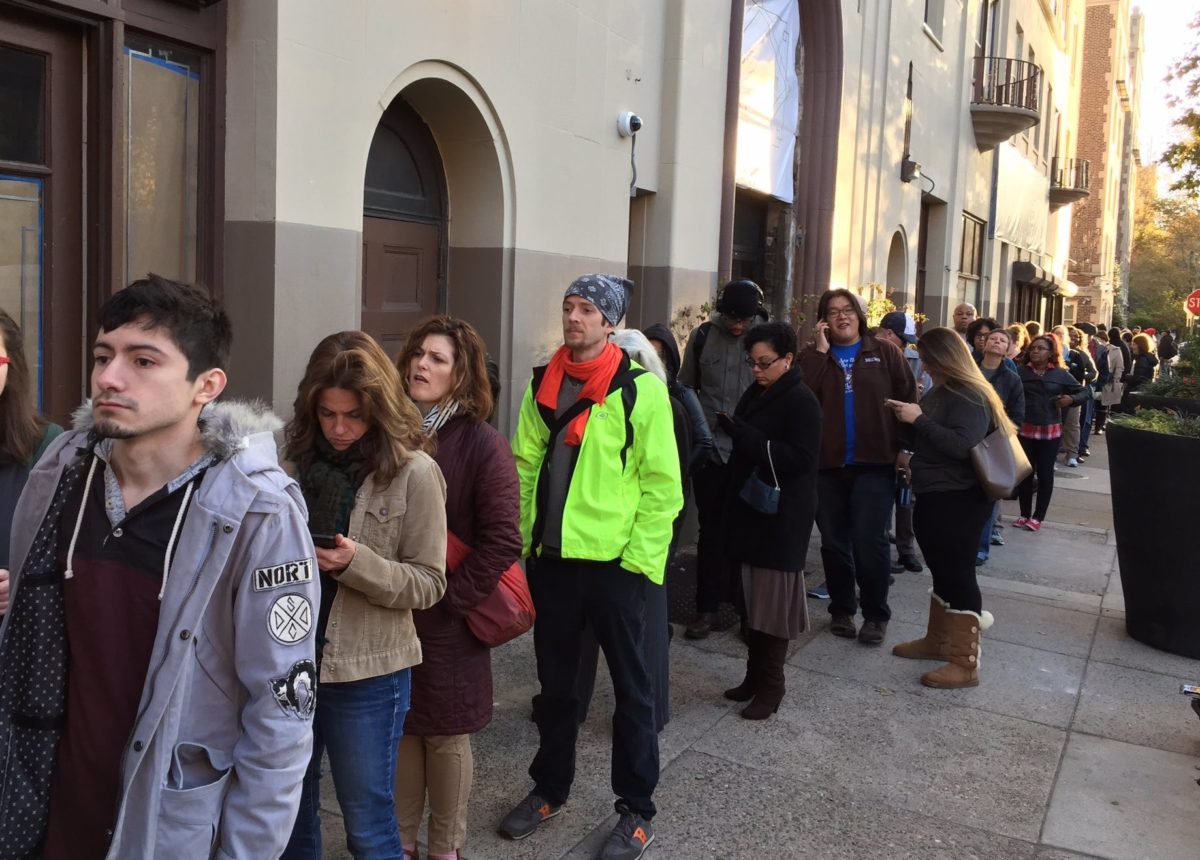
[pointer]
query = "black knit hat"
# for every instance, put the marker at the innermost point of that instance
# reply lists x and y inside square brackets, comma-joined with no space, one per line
[740,299]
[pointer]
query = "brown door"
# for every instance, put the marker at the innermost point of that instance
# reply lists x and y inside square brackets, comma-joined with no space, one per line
[41,200]
[404,227]
[400,278]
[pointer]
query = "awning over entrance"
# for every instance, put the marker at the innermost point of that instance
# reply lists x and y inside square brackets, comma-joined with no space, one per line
[1024,272]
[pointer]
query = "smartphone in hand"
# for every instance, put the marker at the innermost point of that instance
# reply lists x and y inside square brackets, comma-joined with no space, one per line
[324,541]
[727,423]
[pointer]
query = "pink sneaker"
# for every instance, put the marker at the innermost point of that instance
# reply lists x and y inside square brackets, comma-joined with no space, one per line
[1033,525]
[1021,522]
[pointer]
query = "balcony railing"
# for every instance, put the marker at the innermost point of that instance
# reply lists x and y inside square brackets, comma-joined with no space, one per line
[1070,180]
[1005,99]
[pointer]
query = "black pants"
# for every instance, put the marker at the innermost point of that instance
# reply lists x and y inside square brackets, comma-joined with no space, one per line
[569,596]
[948,526]
[1041,454]
[853,511]
[656,649]
[717,578]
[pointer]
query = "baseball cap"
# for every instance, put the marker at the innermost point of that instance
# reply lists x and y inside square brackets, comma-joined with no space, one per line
[901,324]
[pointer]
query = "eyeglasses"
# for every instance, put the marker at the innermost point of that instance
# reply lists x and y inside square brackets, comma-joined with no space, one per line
[763,365]
[844,313]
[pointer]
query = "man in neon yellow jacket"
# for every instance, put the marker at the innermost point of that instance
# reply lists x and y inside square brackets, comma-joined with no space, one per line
[600,489]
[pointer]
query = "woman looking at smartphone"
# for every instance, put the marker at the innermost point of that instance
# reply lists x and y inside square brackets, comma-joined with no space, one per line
[951,419]
[776,432]
[360,459]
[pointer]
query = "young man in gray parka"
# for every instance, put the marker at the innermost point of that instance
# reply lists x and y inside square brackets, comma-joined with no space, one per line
[157,676]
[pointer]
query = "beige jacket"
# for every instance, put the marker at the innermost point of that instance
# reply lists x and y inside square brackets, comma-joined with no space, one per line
[399,565]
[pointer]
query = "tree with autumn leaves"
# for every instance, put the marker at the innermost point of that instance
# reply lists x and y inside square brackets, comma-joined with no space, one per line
[1165,264]
[1183,156]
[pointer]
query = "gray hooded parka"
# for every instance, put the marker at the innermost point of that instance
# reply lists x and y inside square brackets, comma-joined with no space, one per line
[223,733]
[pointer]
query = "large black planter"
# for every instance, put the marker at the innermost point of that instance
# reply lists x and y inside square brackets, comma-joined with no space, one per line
[1155,479]
[1181,405]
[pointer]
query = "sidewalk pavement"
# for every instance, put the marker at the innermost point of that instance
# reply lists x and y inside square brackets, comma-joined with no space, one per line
[1075,744]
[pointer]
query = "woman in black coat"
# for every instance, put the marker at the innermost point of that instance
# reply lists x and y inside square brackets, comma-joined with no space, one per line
[776,431]
[1049,389]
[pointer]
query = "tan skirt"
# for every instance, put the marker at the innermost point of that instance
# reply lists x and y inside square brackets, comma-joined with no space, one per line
[775,601]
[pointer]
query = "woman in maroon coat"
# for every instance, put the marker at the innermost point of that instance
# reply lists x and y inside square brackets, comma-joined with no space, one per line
[444,371]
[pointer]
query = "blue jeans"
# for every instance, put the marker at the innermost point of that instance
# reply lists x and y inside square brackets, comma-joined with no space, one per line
[360,723]
[1085,421]
[854,507]
[985,539]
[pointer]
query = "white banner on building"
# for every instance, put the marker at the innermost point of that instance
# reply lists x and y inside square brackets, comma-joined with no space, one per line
[769,100]
[1022,210]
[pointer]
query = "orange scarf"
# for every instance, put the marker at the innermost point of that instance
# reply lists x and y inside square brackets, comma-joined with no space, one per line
[597,376]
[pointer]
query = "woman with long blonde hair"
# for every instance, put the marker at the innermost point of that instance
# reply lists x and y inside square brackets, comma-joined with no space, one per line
[951,507]
[377,512]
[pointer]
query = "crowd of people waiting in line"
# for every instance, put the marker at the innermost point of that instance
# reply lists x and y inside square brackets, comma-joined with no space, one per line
[201,602]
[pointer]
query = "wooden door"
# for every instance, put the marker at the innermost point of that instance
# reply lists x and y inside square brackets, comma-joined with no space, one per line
[400,278]
[41,200]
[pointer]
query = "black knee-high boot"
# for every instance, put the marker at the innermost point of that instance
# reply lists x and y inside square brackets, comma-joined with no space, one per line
[745,691]
[770,689]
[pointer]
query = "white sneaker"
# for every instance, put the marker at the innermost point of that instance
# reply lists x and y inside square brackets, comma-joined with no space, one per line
[1072,462]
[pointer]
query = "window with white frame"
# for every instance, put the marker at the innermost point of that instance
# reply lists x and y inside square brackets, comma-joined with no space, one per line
[935,13]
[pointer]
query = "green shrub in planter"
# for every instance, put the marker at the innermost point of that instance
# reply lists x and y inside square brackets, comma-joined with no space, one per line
[1160,421]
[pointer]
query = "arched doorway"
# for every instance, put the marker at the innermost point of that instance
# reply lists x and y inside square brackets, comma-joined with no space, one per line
[404,228]
[451,127]
[897,270]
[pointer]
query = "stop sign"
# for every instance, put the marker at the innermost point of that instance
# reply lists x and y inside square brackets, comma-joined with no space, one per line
[1193,303]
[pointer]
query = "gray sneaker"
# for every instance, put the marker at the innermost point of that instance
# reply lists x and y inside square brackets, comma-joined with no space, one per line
[527,815]
[628,840]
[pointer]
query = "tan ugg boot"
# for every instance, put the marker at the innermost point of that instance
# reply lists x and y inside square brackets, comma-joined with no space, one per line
[961,649]
[930,646]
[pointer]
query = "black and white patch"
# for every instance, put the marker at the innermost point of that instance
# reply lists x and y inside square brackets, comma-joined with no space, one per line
[296,693]
[288,573]
[290,618]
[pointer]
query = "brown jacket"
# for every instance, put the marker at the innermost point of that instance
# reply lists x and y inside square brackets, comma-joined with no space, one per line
[399,565]
[880,372]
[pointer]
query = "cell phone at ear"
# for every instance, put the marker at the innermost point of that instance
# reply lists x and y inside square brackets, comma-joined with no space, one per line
[324,541]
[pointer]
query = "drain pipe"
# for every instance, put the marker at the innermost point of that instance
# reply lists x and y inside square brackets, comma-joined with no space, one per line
[733,83]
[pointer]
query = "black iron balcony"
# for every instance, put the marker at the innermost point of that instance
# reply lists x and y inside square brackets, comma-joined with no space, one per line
[1070,181]
[1004,99]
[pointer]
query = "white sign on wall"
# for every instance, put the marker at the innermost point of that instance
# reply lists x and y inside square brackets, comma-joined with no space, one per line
[769,99]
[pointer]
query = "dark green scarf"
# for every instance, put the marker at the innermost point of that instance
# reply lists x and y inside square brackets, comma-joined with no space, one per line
[329,479]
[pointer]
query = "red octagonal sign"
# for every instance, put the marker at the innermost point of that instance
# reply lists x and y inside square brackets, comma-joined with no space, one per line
[1193,303]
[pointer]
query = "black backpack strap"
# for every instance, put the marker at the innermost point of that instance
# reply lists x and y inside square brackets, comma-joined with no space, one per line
[629,400]
[619,382]
[698,348]
[622,381]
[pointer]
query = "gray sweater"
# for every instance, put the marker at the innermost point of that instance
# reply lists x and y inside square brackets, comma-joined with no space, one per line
[943,436]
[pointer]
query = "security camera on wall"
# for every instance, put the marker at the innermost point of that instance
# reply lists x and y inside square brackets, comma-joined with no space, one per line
[628,124]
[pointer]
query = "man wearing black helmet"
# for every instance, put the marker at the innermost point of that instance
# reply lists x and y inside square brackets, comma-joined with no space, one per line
[714,364]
